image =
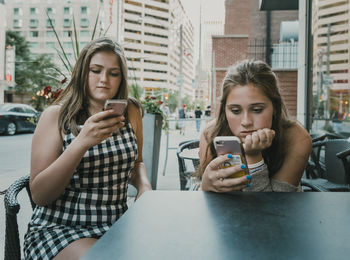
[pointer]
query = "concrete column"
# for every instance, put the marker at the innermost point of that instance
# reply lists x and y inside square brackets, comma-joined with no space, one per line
[303,62]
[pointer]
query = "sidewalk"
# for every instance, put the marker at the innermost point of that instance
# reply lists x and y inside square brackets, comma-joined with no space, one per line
[170,181]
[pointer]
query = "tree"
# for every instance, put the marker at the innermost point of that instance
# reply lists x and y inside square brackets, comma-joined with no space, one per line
[172,102]
[32,72]
[136,91]
[22,65]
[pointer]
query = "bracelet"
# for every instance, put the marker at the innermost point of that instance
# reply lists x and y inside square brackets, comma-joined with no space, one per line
[256,165]
[257,169]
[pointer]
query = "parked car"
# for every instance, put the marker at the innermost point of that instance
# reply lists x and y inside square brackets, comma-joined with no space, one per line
[16,118]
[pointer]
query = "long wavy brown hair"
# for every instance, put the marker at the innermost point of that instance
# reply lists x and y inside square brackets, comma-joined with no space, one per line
[74,100]
[260,75]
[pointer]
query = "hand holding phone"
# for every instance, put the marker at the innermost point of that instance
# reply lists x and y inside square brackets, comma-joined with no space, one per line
[118,105]
[232,145]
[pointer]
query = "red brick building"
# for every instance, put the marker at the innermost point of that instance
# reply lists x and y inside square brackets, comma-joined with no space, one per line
[247,35]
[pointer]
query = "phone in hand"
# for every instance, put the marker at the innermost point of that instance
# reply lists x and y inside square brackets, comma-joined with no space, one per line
[118,105]
[232,145]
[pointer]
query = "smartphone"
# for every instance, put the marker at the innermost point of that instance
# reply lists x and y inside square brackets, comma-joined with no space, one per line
[118,105]
[232,145]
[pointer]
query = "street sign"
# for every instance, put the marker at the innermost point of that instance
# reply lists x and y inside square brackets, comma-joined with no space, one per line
[10,58]
[180,80]
[328,80]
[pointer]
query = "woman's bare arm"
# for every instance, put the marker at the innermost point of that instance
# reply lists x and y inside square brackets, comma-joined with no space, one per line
[139,178]
[299,145]
[51,168]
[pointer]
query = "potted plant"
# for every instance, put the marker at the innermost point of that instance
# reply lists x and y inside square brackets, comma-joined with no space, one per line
[152,131]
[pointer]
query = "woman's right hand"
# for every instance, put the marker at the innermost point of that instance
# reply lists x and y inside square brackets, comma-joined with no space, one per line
[99,127]
[218,180]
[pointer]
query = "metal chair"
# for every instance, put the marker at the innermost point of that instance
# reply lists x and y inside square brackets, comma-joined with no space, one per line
[312,170]
[332,173]
[345,157]
[12,207]
[185,172]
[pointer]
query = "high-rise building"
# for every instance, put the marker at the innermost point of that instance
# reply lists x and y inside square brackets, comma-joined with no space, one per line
[211,24]
[331,57]
[151,32]
[31,19]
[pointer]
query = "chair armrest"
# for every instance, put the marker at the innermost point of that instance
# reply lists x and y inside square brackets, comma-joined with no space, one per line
[12,241]
[11,203]
[343,154]
[313,186]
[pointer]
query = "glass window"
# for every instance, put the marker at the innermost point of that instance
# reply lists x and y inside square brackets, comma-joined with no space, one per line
[48,24]
[84,33]
[66,10]
[17,110]
[50,45]
[83,44]
[16,11]
[33,10]
[50,11]
[33,23]
[50,34]
[67,22]
[33,34]
[33,45]
[84,22]
[67,33]
[17,23]
[67,45]
[83,10]
[330,106]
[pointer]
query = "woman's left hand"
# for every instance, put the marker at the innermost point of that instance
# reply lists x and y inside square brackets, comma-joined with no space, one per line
[258,141]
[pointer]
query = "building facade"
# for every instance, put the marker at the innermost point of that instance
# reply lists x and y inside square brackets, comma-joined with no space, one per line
[251,34]
[152,33]
[331,57]
[3,83]
[158,38]
[210,26]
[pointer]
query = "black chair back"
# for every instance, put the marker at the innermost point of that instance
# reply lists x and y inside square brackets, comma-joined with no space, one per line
[12,241]
[184,172]
[335,171]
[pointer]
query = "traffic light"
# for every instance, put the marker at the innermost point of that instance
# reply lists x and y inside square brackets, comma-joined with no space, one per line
[166,96]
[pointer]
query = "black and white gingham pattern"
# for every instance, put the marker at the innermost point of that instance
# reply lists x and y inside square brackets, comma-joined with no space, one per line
[94,199]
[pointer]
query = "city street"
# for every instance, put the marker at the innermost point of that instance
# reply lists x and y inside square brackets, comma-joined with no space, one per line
[15,162]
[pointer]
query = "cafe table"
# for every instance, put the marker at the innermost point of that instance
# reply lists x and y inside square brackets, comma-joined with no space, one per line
[239,225]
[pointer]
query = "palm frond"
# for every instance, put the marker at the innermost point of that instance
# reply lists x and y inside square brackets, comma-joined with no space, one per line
[107,29]
[95,26]
[60,44]
[76,50]
[59,71]
[67,66]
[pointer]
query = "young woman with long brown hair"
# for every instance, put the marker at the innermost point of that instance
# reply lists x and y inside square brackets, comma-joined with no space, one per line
[83,158]
[276,148]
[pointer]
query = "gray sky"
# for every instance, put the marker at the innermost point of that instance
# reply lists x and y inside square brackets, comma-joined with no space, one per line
[210,8]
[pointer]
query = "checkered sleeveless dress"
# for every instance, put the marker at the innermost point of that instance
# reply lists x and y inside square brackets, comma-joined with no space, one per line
[93,200]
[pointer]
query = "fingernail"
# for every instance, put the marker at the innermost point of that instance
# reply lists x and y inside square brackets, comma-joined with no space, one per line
[248,177]
[229,155]
[243,166]
[248,185]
